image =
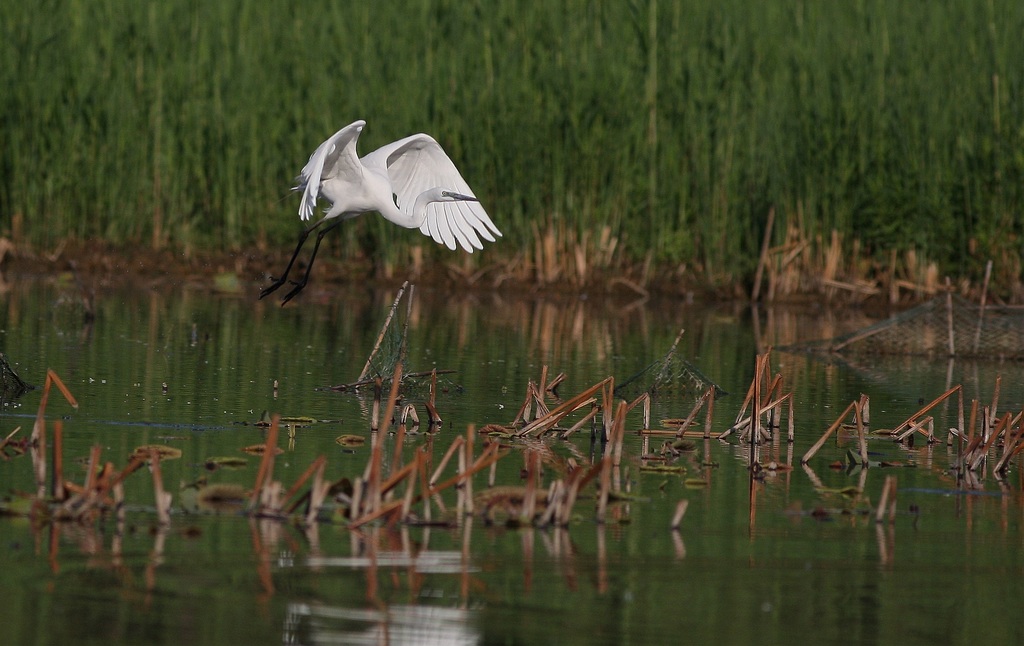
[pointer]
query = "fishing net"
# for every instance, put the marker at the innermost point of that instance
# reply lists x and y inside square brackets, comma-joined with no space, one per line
[11,385]
[670,373]
[391,350]
[944,326]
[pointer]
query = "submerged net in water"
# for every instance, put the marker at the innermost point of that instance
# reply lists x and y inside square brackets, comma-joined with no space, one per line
[671,372]
[944,326]
[11,385]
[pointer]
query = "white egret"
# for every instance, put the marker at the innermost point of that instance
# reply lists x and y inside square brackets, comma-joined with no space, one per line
[410,182]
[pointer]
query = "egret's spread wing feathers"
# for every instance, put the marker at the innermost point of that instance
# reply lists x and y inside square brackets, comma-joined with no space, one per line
[417,164]
[333,157]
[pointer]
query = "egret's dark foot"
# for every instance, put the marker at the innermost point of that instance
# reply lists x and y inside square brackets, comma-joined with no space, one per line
[292,294]
[266,291]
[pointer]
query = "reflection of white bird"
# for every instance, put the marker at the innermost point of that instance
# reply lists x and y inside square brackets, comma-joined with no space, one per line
[410,182]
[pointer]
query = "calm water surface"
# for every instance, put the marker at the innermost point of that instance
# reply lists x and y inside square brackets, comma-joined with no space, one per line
[195,369]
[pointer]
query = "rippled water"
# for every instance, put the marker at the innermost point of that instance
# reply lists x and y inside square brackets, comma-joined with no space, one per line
[778,559]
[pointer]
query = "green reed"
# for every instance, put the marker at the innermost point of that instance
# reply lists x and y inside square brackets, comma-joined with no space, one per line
[676,124]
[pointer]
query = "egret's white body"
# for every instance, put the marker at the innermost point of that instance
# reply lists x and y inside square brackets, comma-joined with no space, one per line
[410,182]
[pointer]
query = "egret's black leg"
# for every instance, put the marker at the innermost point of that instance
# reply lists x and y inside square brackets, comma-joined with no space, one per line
[309,266]
[284,277]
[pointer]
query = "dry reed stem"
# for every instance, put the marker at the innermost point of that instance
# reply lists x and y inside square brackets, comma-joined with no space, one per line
[884,502]
[7,439]
[1010,446]
[318,463]
[831,429]
[677,517]
[594,410]
[618,433]
[861,440]
[604,487]
[710,413]
[468,453]
[410,487]
[556,496]
[490,455]
[266,468]
[163,498]
[918,427]
[791,434]
[1003,423]
[545,423]
[693,412]
[383,331]
[317,492]
[375,410]
[396,381]
[456,443]
[58,492]
[530,497]
[935,402]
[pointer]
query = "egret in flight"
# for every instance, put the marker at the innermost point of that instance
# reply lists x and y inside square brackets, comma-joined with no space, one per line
[410,182]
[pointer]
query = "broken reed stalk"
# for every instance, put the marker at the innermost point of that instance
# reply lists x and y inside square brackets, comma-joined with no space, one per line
[383,331]
[163,498]
[594,410]
[677,517]
[318,491]
[884,503]
[546,422]
[918,427]
[755,429]
[604,488]
[266,468]
[980,453]
[59,493]
[709,392]
[831,429]
[935,402]
[375,410]
[456,443]
[618,433]
[468,453]
[396,381]
[314,466]
[858,413]
[1010,446]
[530,497]
[791,431]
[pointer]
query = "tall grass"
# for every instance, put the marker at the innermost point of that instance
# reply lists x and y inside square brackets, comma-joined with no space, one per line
[676,125]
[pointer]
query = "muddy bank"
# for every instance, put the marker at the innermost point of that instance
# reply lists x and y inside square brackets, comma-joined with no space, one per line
[99,265]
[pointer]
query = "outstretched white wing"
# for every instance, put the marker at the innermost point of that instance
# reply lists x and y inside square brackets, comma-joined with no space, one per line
[417,164]
[333,157]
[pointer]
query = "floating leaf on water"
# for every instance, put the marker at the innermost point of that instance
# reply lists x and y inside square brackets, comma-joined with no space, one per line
[350,440]
[695,482]
[494,429]
[222,497]
[298,420]
[163,451]
[672,422]
[849,490]
[662,468]
[258,449]
[227,462]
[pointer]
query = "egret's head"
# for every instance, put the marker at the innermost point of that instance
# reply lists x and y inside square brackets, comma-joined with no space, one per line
[452,196]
